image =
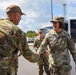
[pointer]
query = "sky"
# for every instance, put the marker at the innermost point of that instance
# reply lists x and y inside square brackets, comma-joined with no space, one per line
[38,12]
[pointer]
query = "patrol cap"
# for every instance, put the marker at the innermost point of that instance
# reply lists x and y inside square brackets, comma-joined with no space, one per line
[14,8]
[40,30]
[58,19]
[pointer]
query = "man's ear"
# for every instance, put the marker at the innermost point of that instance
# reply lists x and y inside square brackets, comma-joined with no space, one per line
[15,16]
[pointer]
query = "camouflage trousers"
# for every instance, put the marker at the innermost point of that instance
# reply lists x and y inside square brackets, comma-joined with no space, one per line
[59,71]
[44,66]
[9,70]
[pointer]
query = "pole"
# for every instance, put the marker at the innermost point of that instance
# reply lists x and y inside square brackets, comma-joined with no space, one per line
[64,5]
[51,10]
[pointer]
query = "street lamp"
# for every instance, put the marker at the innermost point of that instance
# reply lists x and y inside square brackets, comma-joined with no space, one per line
[51,9]
[64,5]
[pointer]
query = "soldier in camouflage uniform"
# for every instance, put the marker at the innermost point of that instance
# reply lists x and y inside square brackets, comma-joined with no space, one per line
[13,42]
[37,43]
[60,43]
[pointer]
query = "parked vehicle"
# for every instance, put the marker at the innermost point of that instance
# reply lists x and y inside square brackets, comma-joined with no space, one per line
[47,28]
[70,26]
[30,40]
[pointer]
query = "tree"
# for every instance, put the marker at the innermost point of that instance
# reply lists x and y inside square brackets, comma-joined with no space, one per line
[31,34]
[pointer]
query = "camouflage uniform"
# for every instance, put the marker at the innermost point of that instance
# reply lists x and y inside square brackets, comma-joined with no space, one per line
[60,44]
[12,41]
[37,43]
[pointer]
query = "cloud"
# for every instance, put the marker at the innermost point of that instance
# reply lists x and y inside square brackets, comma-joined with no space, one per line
[71,2]
[71,11]
[5,3]
[38,12]
[59,2]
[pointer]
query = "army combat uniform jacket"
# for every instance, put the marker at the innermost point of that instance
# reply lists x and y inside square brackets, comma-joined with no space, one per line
[60,44]
[13,40]
[37,42]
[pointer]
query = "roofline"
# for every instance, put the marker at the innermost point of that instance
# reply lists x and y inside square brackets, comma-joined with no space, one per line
[46,26]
